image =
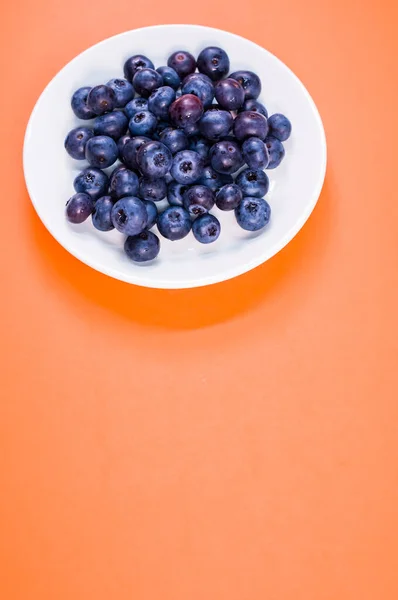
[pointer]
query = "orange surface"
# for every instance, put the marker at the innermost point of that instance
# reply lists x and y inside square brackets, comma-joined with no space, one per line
[237,442]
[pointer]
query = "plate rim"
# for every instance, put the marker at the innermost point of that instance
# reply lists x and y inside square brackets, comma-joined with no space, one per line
[231,273]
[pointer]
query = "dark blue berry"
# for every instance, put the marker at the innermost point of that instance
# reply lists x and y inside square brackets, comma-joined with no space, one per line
[253,214]
[121,143]
[182,62]
[201,86]
[170,77]
[79,104]
[226,157]
[229,94]
[123,182]
[250,82]
[214,180]
[201,146]
[276,151]
[198,200]
[101,99]
[134,106]
[250,124]
[160,100]
[175,193]
[187,167]
[215,124]
[143,123]
[76,140]
[152,189]
[254,106]
[93,182]
[129,215]
[174,223]
[213,62]
[152,213]
[146,81]
[255,153]
[154,160]
[279,127]
[174,139]
[229,197]
[206,229]
[134,64]
[79,207]
[101,151]
[253,182]
[113,124]
[124,91]
[142,247]
[130,149]
[101,215]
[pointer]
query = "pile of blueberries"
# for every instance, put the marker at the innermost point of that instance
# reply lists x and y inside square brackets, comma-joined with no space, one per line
[182,138]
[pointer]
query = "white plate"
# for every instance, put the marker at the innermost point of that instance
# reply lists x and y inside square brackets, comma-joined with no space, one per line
[294,186]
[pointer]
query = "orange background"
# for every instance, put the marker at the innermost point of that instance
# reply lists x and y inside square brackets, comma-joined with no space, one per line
[237,442]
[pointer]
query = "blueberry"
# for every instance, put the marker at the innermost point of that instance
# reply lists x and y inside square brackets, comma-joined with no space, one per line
[175,193]
[253,182]
[101,215]
[279,127]
[124,91]
[123,182]
[162,125]
[101,99]
[187,167]
[170,77]
[250,82]
[226,157]
[253,214]
[134,64]
[206,229]
[91,181]
[276,151]
[229,94]
[191,129]
[255,153]
[79,207]
[130,149]
[254,106]
[101,151]
[143,123]
[214,180]
[174,139]
[153,189]
[174,223]
[76,140]
[121,143]
[142,247]
[215,124]
[213,62]
[146,81]
[229,197]
[201,146]
[198,200]
[182,62]
[154,160]
[186,110]
[201,86]
[250,124]
[129,215]
[134,106]
[152,213]
[113,124]
[160,100]
[79,104]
